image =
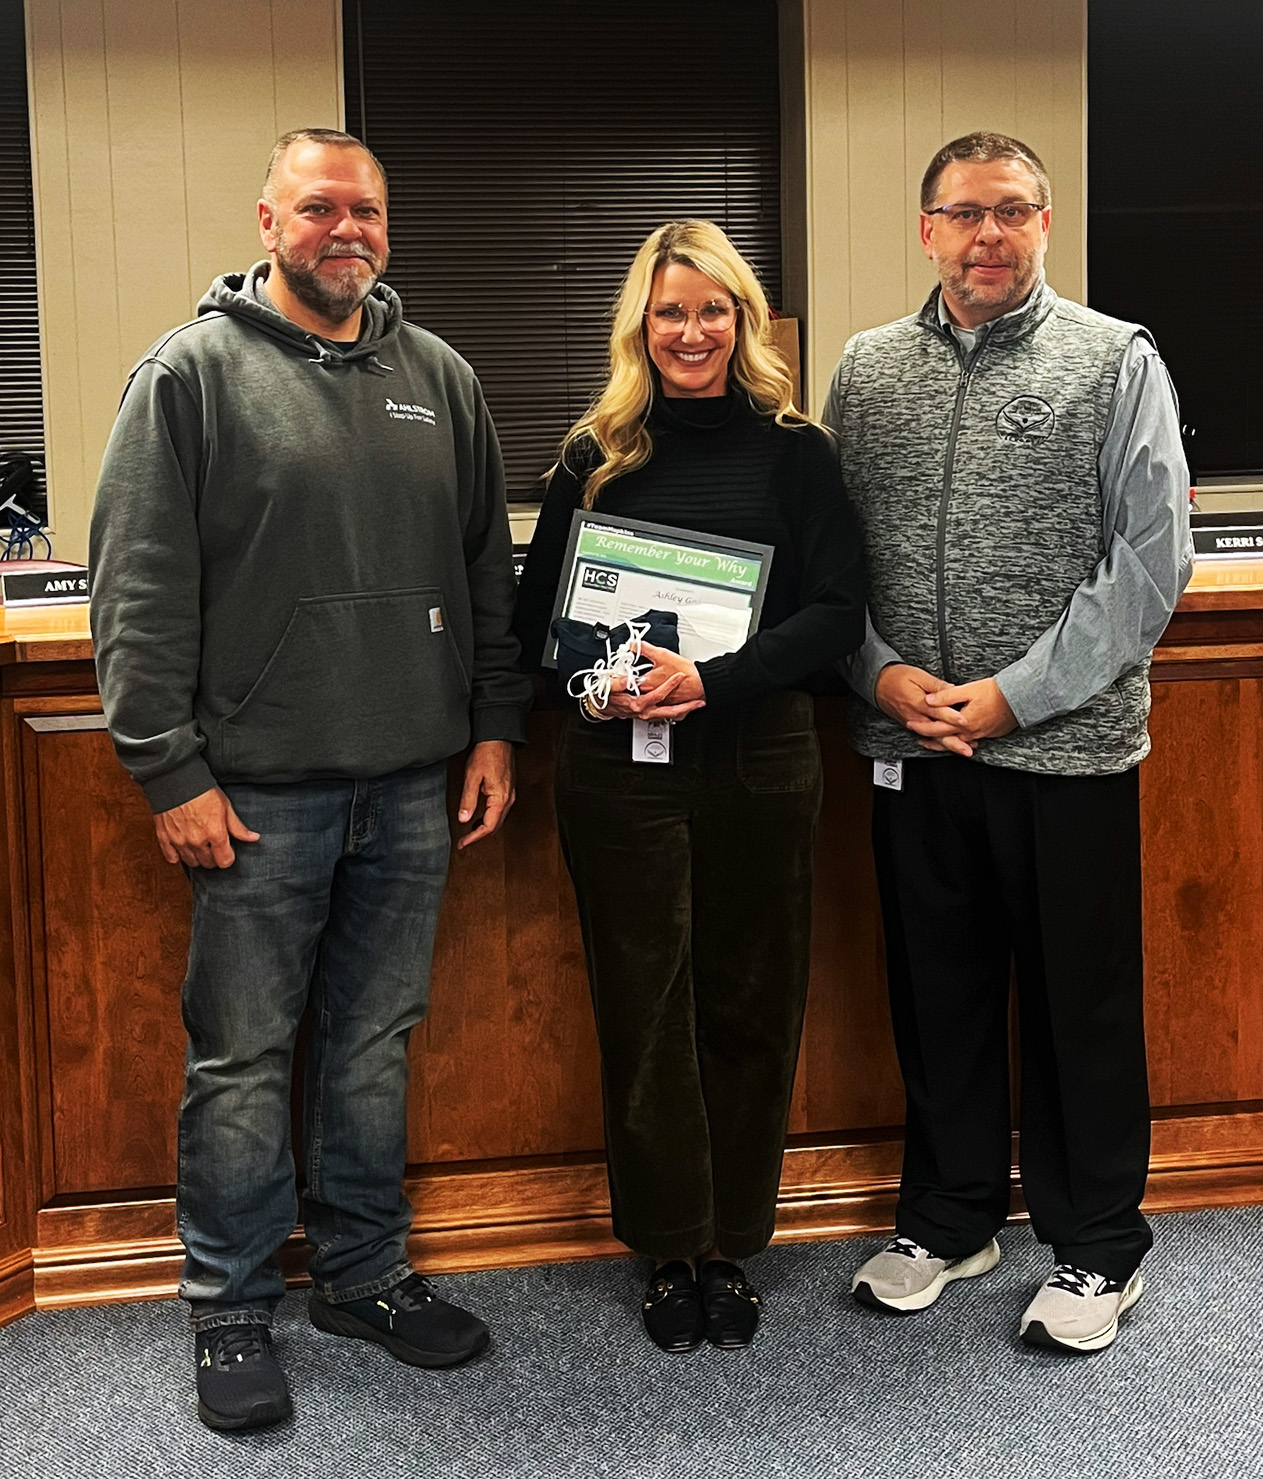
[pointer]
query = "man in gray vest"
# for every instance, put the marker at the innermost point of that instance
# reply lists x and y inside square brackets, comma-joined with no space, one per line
[1015,460]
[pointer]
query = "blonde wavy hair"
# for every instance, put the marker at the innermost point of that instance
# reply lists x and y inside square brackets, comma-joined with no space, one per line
[615,422]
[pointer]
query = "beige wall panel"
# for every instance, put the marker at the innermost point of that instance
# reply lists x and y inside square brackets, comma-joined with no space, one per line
[308,93]
[58,303]
[150,228]
[826,209]
[1036,124]
[229,126]
[151,123]
[877,207]
[1068,253]
[922,125]
[914,75]
[92,263]
[979,66]
[1034,119]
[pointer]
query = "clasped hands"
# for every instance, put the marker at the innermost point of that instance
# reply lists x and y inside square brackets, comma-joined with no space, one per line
[669,690]
[947,716]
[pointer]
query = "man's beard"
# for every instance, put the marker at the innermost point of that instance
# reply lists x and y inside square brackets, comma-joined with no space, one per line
[1025,264]
[336,295]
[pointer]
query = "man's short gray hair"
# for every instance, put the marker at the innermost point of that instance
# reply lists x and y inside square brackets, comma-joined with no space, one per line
[332,137]
[984,148]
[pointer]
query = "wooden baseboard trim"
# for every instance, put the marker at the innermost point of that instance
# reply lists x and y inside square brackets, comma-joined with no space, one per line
[17,1285]
[1189,1188]
[476,1217]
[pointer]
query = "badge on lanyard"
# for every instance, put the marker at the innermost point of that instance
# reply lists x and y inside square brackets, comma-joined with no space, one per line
[651,741]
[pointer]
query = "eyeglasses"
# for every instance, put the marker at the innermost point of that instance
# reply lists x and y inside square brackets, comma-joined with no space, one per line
[714,317]
[1010,215]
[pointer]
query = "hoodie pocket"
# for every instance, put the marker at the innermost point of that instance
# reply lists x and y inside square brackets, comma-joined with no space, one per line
[358,685]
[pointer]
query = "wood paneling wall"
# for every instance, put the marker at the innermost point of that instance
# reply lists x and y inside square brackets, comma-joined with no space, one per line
[151,122]
[879,87]
[504,1111]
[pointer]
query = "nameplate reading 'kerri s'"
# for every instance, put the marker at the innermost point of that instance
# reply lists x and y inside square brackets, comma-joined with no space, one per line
[1230,536]
[42,583]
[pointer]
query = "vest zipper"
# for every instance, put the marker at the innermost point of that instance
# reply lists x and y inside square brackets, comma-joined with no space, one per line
[962,390]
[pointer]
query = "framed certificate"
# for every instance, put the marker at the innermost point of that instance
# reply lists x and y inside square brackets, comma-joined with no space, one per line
[616,569]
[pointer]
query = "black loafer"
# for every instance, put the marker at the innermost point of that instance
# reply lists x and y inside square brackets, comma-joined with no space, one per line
[732,1306]
[672,1309]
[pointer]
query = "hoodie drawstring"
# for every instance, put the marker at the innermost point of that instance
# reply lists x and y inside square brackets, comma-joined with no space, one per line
[325,356]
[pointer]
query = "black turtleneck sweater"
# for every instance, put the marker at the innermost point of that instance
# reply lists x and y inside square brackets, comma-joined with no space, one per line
[720,467]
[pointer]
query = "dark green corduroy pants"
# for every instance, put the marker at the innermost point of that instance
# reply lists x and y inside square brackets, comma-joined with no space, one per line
[694,888]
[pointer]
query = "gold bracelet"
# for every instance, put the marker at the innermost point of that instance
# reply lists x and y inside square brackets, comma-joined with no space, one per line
[590,712]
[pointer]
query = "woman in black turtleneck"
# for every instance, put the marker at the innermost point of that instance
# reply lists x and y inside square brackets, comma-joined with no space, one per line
[693,879]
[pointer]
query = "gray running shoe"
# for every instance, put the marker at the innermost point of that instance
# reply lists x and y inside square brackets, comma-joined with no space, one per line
[1077,1310]
[906,1277]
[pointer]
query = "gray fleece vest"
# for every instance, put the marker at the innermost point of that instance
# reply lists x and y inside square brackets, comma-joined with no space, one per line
[975,479]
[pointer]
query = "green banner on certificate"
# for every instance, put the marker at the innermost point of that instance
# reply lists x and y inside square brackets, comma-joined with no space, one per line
[684,562]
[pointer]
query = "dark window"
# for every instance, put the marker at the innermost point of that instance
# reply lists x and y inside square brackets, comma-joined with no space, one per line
[1175,203]
[21,393]
[532,147]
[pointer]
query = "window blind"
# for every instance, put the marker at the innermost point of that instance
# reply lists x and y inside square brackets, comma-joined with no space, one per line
[532,147]
[21,392]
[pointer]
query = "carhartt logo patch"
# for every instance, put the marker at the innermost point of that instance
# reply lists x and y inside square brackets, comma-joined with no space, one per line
[401,411]
[1029,418]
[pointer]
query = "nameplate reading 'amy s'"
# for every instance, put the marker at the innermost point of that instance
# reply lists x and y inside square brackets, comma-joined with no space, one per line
[42,583]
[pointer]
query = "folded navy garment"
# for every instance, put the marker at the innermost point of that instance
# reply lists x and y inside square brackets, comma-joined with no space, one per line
[581,645]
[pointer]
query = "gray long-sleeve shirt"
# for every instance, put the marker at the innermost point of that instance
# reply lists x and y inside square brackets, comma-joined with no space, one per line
[1117,614]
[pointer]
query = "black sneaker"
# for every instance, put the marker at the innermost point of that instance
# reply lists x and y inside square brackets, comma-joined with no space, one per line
[409,1320]
[239,1384]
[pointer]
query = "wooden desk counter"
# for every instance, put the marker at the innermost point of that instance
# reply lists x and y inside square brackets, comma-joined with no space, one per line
[504,1113]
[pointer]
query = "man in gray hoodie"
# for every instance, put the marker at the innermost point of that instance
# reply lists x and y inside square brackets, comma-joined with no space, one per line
[1016,464]
[302,586]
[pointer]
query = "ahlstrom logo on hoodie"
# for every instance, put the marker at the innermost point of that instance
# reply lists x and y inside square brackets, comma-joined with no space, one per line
[398,411]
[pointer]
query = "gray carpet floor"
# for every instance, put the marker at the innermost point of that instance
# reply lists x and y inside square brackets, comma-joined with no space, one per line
[571,1388]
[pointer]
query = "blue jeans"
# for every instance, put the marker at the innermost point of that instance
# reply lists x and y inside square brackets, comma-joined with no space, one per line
[335,906]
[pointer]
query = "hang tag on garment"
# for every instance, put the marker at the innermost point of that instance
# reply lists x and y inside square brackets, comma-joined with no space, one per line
[888,774]
[651,741]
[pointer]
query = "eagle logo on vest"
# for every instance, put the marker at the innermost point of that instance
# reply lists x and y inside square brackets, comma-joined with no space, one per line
[1028,418]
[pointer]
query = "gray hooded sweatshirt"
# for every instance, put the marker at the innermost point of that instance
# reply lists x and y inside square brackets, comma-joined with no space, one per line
[301,563]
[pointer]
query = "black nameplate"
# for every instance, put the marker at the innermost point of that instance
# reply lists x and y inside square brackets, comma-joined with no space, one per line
[44,587]
[1235,535]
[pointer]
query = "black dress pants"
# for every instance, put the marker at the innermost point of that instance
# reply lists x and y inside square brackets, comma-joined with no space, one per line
[693,882]
[981,869]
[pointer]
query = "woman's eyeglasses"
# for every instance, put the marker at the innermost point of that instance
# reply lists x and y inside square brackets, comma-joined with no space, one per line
[672,318]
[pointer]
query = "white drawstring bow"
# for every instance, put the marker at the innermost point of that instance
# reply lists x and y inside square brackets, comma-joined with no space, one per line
[596,683]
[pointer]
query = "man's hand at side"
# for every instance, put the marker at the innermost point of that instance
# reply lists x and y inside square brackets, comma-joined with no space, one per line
[981,709]
[903,693]
[199,832]
[489,774]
